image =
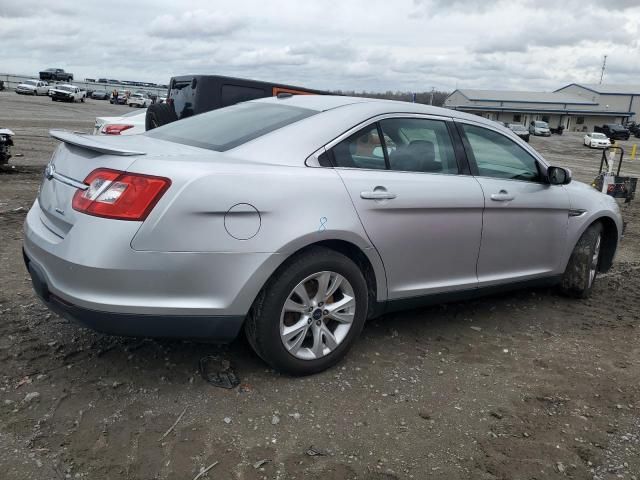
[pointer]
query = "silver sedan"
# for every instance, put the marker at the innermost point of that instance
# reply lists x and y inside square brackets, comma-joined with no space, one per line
[299,218]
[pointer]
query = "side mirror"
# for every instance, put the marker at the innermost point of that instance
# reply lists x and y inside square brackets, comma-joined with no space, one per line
[559,175]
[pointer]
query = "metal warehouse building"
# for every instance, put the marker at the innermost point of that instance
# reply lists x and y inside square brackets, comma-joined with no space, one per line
[577,107]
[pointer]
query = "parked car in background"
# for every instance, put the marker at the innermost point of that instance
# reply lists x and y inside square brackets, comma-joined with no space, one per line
[121,99]
[130,123]
[539,128]
[68,93]
[206,225]
[139,99]
[1,85]
[56,74]
[6,142]
[100,95]
[161,99]
[613,131]
[597,140]
[33,87]
[520,130]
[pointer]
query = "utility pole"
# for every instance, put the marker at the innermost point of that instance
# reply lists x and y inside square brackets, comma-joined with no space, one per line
[604,65]
[433,89]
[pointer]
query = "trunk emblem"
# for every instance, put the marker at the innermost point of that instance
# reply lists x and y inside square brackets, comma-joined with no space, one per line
[49,171]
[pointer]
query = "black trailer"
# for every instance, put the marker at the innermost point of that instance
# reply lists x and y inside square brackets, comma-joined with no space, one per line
[193,94]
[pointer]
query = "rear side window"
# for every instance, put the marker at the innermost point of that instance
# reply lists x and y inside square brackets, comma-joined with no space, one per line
[361,150]
[229,127]
[419,145]
[408,145]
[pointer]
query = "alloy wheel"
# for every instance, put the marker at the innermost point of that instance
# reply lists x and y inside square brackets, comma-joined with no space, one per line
[317,315]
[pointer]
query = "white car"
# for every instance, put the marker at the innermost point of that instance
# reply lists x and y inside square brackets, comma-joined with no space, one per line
[139,99]
[33,87]
[67,93]
[597,140]
[131,123]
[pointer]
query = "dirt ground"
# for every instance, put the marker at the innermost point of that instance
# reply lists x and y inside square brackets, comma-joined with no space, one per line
[526,385]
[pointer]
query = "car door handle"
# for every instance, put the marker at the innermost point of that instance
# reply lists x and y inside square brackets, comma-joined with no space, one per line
[378,195]
[502,196]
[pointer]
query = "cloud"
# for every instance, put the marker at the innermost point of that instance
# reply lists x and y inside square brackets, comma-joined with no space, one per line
[378,45]
[193,24]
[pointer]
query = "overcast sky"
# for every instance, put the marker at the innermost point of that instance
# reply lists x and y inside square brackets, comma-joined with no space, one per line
[378,45]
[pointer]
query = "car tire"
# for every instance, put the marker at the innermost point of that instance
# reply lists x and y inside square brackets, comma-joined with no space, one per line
[82,100]
[581,272]
[159,114]
[269,315]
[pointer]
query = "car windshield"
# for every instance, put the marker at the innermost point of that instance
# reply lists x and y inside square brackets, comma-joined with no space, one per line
[542,125]
[616,127]
[30,82]
[137,95]
[65,88]
[598,135]
[229,127]
[516,126]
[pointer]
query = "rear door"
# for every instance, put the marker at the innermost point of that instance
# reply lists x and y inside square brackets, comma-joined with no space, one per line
[524,226]
[420,212]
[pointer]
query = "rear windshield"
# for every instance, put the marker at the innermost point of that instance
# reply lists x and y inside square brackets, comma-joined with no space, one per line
[229,127]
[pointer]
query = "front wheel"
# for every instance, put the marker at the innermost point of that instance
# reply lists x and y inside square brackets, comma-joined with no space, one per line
[582,269]
[310,313]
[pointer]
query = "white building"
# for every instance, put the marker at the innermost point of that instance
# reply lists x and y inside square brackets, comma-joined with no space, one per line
[577,107]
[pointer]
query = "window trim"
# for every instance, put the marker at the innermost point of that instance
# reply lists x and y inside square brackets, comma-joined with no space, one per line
[542,165]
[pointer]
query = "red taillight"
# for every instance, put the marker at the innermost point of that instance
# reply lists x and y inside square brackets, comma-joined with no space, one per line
[115,129]
[120,195]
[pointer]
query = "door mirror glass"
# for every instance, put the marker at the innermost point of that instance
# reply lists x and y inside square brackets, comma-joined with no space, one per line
[558,175]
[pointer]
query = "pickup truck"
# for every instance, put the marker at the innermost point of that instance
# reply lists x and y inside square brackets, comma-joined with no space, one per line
[67,93]
[613,131]
[56,74]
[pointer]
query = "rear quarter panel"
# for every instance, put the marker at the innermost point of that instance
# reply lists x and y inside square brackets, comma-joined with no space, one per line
[296,207]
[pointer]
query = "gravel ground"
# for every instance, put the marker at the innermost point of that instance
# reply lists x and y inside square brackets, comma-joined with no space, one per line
[525,385]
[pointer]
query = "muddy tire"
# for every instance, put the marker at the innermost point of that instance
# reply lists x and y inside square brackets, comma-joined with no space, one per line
[582,269]
[159,114]
[310,313]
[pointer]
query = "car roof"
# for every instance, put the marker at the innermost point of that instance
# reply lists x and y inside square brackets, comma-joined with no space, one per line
[373,106]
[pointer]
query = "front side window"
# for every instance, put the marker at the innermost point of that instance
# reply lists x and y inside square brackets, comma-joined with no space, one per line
[498,156]
[419,145]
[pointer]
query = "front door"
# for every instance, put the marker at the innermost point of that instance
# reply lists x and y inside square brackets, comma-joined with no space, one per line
[524,226]
[422,216]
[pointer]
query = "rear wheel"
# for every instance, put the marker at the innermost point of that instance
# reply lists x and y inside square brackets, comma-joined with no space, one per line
[159,114]
[582,269]
[310,314]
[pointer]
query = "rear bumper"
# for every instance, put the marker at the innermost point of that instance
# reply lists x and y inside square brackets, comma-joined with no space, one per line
[213,328]
[100,281]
